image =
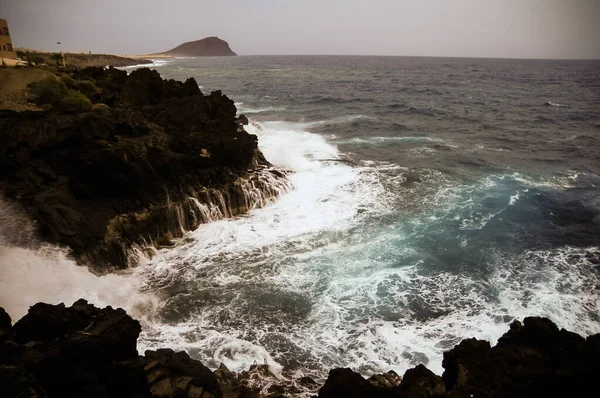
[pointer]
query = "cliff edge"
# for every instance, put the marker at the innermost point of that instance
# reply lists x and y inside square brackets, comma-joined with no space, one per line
[123,161]
[207,47]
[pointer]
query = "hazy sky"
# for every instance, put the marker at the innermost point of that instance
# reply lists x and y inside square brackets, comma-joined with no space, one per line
[476,28]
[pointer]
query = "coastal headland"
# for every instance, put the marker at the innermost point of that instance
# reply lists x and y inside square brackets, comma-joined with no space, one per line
[116,162]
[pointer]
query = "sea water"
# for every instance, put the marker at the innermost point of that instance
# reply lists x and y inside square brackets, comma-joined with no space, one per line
[434,200]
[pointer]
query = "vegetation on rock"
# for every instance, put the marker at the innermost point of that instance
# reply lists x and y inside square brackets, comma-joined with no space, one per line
[122,174]
[54,92]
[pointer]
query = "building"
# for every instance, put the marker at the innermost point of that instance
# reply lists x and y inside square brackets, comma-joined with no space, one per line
[6,47]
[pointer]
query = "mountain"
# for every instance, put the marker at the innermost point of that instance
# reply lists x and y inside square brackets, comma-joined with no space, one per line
[207,47]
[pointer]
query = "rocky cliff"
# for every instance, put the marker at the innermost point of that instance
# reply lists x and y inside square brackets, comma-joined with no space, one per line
[84,351]
[151,160]
[207,47]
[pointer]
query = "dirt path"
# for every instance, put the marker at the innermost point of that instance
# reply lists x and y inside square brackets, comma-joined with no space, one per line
[13,87]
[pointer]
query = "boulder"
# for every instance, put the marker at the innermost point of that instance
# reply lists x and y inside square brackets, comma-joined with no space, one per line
[169,363]
[343,382]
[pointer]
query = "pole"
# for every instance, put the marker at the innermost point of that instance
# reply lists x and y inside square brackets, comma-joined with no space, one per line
[62,55]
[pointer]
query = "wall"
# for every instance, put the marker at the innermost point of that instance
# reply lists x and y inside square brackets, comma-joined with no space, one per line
[7,49]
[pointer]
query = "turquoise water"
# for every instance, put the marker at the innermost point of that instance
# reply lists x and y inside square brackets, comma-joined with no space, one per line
[434,200]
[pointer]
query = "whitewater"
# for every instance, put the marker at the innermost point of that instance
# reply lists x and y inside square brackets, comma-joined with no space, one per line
[423,211]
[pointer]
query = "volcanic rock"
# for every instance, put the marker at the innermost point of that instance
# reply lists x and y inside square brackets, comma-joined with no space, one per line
[533,359]
[153,159]
[84,351]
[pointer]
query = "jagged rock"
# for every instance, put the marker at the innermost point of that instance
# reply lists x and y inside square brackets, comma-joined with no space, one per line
[307,382]
[162,388]
[532,359]
[180,363]
[74,351]
[84,351]
[420,382]
[101,182]
[180,384]
[5,325]
[223,373]
[386,380]
[343,382]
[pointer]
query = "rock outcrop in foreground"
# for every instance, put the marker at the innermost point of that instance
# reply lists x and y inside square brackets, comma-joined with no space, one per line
[207,47]
[83,351]
[151,159]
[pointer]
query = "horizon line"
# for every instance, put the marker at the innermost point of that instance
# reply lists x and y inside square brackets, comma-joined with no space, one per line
[330,55]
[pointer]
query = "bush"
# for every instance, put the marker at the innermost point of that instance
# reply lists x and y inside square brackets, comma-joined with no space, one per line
[68,81]
[86,87]
[102,108]
[55,92]
[74,101]
[49,90]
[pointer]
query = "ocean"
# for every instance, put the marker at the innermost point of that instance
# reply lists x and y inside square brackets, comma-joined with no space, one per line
[434,200]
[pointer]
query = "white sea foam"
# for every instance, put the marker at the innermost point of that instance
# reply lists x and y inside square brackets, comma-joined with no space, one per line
[328,197]
[384,141]
[248,110]
[513,199]
[553,182]
[31,272]
[155,63]
[327,278]
[555,104]
[304,126]
[322,278]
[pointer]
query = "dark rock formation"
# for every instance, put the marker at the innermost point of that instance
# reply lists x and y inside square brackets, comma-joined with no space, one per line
[153,159]
[207,47]
[84,351]
[533,359]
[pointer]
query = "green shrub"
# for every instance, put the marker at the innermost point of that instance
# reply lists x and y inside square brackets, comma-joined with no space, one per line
[49,90]
[54,92]
[86,87]
[68,81]
[100,108]
[75,102]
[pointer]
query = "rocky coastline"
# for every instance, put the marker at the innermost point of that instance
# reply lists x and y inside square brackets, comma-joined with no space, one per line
[53,61]
[130,161]
[84,351]
[120,164]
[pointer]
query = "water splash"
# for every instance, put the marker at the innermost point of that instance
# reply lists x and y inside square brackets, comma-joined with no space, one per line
[32,271]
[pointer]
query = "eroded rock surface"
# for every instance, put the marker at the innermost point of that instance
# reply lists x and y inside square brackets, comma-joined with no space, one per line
[153,159]
[84,351]
[533,359]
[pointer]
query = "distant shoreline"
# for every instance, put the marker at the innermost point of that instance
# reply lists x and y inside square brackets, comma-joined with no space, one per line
[77,60]
[147,56]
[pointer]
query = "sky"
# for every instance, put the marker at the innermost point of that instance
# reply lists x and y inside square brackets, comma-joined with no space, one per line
[453,28]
